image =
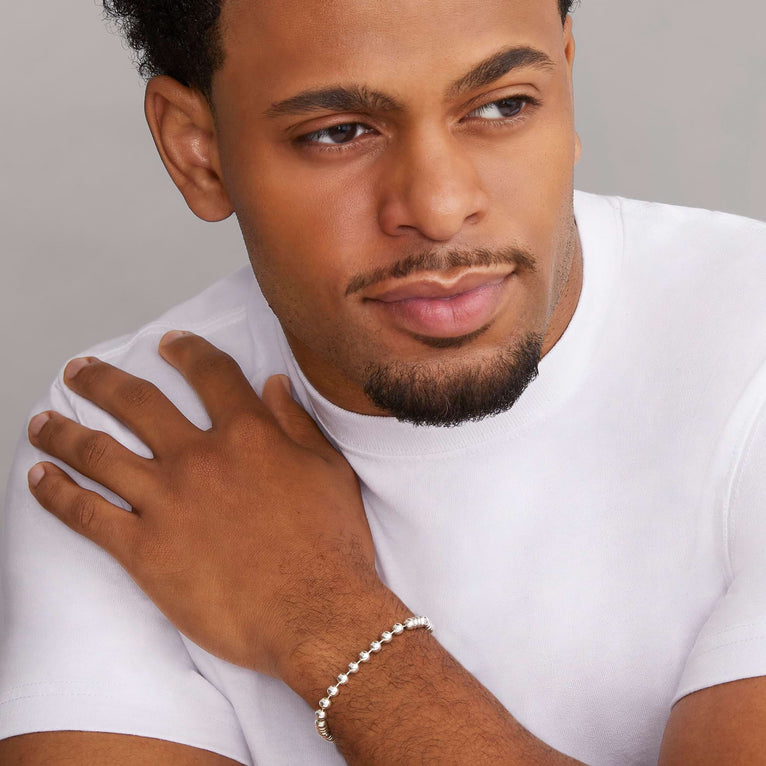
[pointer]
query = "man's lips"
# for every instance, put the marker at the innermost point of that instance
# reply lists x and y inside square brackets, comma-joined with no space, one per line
[437,309]
[433,287]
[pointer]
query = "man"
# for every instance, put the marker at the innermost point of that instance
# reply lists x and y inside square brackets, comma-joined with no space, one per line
[555,413]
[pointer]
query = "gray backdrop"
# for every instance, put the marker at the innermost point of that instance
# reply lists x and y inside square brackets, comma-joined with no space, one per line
[670,106]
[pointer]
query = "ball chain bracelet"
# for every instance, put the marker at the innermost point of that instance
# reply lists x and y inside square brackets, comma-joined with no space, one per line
[411,623]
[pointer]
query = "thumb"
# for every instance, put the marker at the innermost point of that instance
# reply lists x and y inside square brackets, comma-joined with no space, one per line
[292,418]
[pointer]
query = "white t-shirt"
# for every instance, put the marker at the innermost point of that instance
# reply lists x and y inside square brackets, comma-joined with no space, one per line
[591,555]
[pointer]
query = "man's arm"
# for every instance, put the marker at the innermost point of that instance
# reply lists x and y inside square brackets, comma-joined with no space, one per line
[417,704]
[84,748]
[724,724]
[412,702]
[272,515]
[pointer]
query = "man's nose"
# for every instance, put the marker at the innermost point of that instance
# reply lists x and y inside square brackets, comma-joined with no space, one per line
[432,187]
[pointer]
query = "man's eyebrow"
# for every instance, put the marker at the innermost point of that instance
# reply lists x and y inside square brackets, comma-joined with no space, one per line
[357,98]
[354,98]
[499,64]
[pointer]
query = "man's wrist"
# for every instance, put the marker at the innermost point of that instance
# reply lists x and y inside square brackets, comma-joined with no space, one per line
[348,628]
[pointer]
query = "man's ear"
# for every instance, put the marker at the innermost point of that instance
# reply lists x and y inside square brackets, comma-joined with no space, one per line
[569,43]
[184,132]
[569,53]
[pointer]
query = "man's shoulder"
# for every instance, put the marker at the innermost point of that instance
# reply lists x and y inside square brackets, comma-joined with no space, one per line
[691,234]
[683,307]
[683,262]
[231,313]
[220,310]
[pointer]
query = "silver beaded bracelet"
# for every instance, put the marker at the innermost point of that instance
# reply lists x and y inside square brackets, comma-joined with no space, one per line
[411,623]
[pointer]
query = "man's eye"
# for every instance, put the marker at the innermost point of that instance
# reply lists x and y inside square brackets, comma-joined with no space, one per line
[504,109]
[337,134]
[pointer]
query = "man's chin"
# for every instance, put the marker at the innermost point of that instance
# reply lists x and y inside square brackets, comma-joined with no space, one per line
[430,394]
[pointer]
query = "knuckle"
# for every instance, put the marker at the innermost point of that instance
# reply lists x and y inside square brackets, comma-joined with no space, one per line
[205,365]
[242,428]
[215,363]
[137,393]
[197,460]
[85,513]
[94,450]
[50,491]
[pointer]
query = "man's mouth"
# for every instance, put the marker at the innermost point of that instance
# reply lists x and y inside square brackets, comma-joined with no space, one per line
[437,308]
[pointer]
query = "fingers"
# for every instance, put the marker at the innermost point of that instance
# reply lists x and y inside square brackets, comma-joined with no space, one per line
[110,527]
[140,405]
[292,418]
[93,454]
[215,376]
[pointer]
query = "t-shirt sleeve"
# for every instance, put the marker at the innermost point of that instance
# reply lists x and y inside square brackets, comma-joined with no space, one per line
[81,646]
[732,643]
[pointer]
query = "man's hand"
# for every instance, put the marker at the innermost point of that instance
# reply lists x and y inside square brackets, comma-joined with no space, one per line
[251,537]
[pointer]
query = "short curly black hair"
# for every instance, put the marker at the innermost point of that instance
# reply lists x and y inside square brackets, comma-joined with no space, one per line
[181,38]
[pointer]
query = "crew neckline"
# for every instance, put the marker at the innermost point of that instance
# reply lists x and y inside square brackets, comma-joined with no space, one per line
[599,224]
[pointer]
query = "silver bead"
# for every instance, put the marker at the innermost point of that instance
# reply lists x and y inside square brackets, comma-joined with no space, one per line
[411,623]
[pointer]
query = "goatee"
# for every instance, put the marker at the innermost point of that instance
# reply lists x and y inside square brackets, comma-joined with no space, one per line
[438,395]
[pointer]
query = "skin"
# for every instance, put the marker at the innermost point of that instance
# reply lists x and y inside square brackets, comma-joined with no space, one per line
[432,177]
[428,178]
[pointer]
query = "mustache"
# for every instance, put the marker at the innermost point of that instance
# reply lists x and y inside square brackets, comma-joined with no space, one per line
[442,260]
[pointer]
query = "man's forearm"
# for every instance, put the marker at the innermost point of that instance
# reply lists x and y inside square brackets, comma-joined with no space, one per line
[414,703]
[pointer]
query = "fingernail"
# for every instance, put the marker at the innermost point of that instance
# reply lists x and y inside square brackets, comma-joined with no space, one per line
[35,475]
[75,366]
[169,337]
[37,423]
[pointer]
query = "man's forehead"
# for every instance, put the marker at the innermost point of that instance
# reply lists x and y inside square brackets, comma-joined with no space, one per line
[307,43]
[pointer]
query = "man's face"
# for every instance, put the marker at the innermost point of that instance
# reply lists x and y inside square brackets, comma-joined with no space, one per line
[402,174]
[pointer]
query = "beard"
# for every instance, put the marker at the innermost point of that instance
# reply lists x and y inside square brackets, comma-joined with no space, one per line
[441,395]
